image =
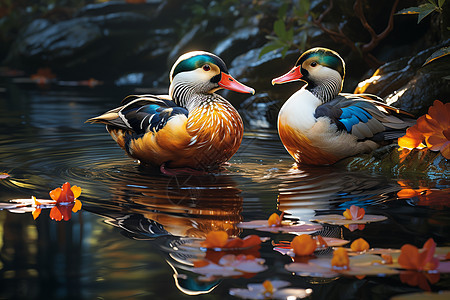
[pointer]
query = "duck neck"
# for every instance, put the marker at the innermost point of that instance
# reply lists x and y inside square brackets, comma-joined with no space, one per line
[186,96]
[327,89]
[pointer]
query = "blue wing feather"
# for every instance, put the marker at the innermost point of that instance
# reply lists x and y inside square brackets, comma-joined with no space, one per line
[352,115]
[145,114]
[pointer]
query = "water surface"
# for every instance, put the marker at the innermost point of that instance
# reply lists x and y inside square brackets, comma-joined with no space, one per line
[124,242]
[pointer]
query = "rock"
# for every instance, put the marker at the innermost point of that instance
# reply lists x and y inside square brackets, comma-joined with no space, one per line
[106,39]
[408,85]
[259,111]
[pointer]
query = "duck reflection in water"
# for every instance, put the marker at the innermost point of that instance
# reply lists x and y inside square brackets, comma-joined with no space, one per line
[306,190]
[171,211]
[184,206]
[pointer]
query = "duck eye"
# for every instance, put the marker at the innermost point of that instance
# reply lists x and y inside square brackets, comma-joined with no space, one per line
[206,67]
[313,64]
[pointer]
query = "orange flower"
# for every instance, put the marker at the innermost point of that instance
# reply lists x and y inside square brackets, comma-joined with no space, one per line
[219,239]
[340,260]
[387,259]
[215,239]
[412,139]
[303,244]
[433,128]
[412,259]
[320,242]
[268,287]
[359,245]
[354,213]
[66,194]
[275,220]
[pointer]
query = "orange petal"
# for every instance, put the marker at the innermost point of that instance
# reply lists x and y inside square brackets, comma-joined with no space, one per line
[347,214]
[200,263]
[76,190]
[251,241]
[436,141]
[274,220]
[409,257]
[438,112]
[359,245]
[387,259]
[407,193]
[303,245]
[66,195]
[429,262]
[233,243]
[268,287]
[216,239]
[36,213]
[445,150]
[54,194]
[340,260]
[320,242]
[77,206]
[55,214]
[354,213]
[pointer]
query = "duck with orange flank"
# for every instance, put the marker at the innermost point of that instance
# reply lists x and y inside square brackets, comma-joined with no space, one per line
[319,125]
[192,129]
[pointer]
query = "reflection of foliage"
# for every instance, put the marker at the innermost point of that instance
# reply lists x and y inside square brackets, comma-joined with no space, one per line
[423,10]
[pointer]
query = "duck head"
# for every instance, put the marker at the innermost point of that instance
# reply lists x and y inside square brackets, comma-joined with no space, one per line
[200,72]
[322,69]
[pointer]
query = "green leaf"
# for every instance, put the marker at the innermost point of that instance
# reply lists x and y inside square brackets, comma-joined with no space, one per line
[438,54]
[282,11]
[440,3]
[283,52]
[409,11]
[270,47]
[290,35]
[433,2]
[279,28]
[302,8]
[425,10]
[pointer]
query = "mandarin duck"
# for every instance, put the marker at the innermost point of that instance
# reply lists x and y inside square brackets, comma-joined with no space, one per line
[191,129]
[319,125]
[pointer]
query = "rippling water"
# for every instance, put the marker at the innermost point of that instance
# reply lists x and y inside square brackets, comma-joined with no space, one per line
[125,241]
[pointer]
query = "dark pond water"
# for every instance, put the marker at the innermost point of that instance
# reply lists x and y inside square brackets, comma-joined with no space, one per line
[123,243]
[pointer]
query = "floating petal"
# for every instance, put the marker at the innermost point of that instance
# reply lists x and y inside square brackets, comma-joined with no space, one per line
[335,219]
[303,245]
[359,245]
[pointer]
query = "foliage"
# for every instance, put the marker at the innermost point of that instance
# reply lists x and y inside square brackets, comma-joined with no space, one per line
[423,10]
[283,38]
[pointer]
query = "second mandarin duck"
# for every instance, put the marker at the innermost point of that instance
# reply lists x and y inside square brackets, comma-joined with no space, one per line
[319,125]
[190,129]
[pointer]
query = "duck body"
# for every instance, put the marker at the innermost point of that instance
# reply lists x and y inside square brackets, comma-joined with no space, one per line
[318,125]
[192,127]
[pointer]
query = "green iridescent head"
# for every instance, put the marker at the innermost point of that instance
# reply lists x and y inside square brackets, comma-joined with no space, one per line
[324,57]
[196,59]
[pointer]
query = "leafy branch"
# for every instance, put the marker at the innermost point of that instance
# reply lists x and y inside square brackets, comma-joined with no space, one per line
[423,10]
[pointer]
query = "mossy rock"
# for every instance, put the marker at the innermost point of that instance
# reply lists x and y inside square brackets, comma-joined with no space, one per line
[413,164]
